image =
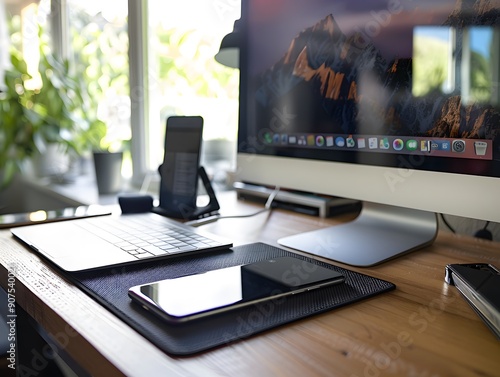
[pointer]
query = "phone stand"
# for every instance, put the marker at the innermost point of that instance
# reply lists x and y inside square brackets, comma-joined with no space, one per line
[144,203]
[189,213]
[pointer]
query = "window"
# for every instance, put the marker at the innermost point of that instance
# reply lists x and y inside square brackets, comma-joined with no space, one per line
[164,48]
[4,43]
[98,46]
[28,30]
[185,79]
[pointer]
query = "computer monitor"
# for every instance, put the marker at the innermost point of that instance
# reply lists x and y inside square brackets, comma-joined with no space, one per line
[395,103]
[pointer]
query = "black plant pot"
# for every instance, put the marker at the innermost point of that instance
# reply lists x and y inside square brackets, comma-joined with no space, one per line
[108,168]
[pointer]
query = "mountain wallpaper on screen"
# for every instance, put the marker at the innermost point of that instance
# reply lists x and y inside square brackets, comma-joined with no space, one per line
[343,84]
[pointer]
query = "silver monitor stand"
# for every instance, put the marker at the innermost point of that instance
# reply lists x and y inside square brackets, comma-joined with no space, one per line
[379,233]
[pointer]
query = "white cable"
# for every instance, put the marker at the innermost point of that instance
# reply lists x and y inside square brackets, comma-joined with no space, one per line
[211,219]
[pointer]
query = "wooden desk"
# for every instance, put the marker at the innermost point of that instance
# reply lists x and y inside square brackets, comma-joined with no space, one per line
[423,328]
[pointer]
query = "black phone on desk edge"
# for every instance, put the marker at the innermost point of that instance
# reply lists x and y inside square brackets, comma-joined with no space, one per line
[12,220]
[197,296]
[479,284]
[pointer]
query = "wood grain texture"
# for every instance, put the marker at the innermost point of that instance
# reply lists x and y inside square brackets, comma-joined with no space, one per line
[423,328]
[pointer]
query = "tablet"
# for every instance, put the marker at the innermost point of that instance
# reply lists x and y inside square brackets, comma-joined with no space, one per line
[42,216]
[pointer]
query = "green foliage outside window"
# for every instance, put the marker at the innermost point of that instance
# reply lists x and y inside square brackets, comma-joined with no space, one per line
[100,55]
[187,65]
[34,116]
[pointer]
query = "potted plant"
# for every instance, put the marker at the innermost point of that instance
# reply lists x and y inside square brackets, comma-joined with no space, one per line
[36,118]
[108,158]
[107,147]
[19,121]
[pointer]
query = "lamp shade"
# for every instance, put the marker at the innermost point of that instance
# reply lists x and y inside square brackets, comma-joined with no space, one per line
[229,51]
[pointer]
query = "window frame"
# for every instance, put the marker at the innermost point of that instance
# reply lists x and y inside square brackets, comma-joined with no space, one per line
[139,87]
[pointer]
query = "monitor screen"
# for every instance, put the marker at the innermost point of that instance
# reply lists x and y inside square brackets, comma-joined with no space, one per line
[392,102]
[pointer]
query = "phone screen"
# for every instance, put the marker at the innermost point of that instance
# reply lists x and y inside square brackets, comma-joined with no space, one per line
[179,170]
[44,216]
[195,296]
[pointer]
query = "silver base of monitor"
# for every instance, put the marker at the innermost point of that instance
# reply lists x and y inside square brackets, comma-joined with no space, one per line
[379,233]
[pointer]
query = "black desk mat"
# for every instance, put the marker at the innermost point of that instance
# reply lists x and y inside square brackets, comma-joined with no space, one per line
[110,287]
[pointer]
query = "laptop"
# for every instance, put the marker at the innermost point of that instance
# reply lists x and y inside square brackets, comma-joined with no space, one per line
[115,240]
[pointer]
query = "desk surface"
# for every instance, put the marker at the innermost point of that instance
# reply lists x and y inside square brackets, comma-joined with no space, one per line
[423,328]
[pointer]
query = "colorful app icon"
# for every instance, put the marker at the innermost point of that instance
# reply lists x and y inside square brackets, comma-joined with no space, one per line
[339,141]
[398,144]
[350,142]
[411,145]
[268,138]
[329,141]
[425,146]
[311,140]
[276,138]
[320,141]
[284,139]
[372,143]
[361,143]
[384,143]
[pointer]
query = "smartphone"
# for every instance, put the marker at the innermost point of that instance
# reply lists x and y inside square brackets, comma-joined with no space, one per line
[197,296]
[179,170]
[44,216]
[479,284]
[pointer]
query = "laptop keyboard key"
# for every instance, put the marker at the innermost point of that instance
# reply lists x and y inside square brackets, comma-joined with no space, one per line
[154,250]
[144,255]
